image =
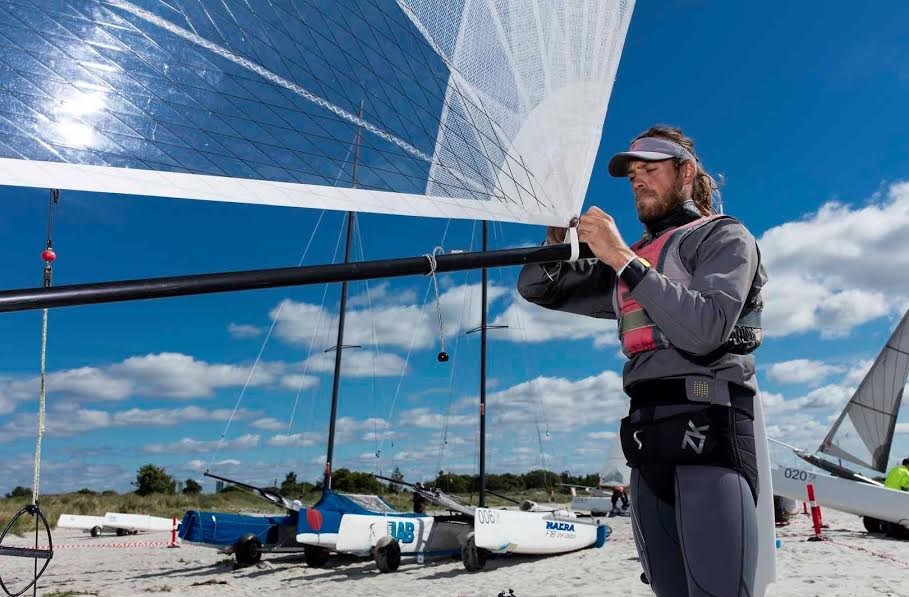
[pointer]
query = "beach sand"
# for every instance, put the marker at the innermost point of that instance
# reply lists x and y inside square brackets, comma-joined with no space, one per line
[852,563]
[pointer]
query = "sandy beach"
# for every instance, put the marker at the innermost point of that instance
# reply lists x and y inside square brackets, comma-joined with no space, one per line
[851,563]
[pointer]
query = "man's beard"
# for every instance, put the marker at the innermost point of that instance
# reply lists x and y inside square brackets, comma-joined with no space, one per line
[653,211]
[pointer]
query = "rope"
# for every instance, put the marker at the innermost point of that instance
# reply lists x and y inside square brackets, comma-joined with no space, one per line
[433,265]
[882,556]
[42,404]
[34,509]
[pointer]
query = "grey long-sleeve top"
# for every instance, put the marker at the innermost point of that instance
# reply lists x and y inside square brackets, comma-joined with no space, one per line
[724,261]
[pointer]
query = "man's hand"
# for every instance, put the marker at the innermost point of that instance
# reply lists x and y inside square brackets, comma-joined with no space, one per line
[598,230]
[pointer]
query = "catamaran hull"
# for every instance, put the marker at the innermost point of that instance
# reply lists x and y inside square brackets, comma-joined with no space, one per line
[224,531]
[137,522]
[516,531]
[592,503]
[852,497]
[416,535]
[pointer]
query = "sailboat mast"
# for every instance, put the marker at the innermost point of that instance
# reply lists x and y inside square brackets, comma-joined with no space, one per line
[483,301]
[336,382]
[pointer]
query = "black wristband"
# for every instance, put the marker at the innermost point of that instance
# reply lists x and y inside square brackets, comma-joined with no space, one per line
[634,272]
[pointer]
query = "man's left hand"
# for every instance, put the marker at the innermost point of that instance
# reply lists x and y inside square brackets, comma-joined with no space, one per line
[598,230]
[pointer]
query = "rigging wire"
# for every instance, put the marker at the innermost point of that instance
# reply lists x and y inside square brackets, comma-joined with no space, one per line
[468,301]
[413,338]
[275,321]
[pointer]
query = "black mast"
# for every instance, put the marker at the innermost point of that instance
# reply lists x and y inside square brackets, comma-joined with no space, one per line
[339,345]
[483,302]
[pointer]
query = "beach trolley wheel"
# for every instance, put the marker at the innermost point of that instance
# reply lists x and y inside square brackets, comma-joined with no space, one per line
[387,554]
[96,531]
[872,525]
[121,532]
[895,531]
[473,557]
[248,550]
[315,556]
[34,553]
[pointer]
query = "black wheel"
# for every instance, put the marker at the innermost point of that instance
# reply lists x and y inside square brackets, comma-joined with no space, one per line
[896,531]
[248,550]
[387,554]
[96,531]
[644,578]
[315,556]
[872,525]
[473,557]
[121,532]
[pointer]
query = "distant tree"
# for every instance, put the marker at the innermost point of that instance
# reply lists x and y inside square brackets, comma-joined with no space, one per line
[20,492]
[397,475]
[540,479]
[108,492]
[356,482]
[153,479]
[451,483]
[192,487]
[290,487]
[87,491]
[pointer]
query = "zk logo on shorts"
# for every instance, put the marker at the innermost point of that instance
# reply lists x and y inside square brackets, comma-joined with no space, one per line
[695,437]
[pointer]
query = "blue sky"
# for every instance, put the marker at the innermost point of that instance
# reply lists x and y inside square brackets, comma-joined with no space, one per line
[801,110]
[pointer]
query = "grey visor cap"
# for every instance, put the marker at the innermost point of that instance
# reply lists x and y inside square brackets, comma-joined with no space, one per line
[647,149]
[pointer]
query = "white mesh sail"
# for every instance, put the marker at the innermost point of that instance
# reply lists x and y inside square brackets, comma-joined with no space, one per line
[863,433]
[470,108]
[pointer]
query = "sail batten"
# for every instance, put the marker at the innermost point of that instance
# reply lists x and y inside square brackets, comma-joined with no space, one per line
[487,109]
[863,433]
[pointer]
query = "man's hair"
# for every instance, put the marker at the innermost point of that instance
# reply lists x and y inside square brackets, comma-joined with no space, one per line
[705,187]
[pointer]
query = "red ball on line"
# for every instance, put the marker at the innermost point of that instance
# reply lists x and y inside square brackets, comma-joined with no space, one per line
[48,255]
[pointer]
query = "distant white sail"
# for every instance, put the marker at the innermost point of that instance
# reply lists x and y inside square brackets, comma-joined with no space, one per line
[864,430]
[615,469]
[471,108]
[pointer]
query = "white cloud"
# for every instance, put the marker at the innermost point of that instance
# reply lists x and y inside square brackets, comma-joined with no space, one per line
[299,381]
[531,323]
[296,440]
[66,421]
[801,371]
[242,330]
[428,419]
[175,375]
[560,403]
[857,373]
[389,325]
[902,428]
[382,294]
[836,269]
[162,375]
[602,435]
[188,445]
[357,363]
[268,424]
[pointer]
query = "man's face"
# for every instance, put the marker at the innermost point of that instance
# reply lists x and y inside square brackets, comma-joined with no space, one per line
[657,188]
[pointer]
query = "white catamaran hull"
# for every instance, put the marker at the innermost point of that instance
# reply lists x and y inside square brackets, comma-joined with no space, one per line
[424,535]
[137,522]
[78,521]
[844,495]
[516,531]
[595,504]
